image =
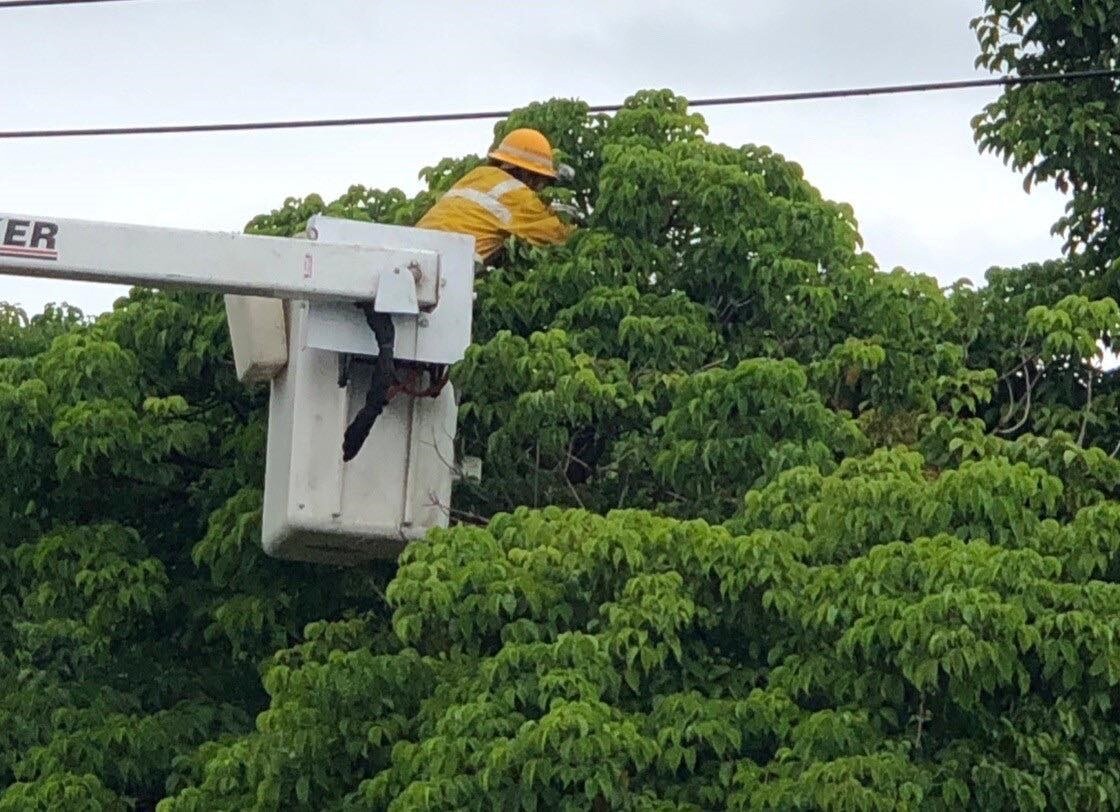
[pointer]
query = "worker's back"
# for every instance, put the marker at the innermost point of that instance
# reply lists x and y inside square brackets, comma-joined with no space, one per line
[490,204]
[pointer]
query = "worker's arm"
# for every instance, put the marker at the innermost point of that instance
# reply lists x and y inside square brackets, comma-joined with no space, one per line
[534,222]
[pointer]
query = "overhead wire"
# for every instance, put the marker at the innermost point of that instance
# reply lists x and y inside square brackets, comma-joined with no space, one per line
[924,87]
[31,3]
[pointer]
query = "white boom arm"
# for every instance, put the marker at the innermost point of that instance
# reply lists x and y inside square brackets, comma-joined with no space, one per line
[253,265]
[316,351]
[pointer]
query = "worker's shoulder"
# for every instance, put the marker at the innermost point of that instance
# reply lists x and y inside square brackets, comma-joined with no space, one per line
[483,176]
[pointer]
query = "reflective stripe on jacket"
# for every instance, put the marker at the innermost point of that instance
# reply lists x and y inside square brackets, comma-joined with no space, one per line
[490,204]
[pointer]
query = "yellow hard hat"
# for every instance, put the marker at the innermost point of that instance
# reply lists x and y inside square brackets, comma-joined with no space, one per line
[528,149]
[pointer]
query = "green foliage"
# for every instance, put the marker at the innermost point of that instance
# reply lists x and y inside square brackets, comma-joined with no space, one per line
[135,604]
[1060,133]
[761,526]
[833,646]
[60,791]
[1063,133]
[730,428]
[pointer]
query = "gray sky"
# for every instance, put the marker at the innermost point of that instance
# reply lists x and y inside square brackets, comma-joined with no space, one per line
[925,198]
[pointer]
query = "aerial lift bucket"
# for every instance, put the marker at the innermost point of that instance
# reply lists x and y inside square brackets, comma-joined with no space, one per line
[318,357]
[293,319]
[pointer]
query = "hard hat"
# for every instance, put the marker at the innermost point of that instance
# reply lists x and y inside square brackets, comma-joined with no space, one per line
[528,149]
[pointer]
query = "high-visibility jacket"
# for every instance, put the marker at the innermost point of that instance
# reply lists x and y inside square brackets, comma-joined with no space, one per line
[490,204]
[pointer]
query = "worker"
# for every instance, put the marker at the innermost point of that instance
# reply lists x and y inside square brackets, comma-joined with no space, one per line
[499,199]
[489,203]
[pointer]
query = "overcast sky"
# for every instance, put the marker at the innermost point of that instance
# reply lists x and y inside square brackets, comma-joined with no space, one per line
[925,198]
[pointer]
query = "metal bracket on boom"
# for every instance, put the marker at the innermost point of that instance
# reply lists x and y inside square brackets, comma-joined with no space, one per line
[396,293]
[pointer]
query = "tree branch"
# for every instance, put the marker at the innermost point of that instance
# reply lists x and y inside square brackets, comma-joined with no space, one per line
[464,516]
[921,722]
[1088,407]
[1026,409]
[715,364]
[1010,373]
[1012,403]
[467,517]
[537,477]
[731,308]
[563,471]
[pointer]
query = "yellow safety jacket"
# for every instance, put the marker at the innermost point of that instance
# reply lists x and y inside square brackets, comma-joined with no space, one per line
[490,204]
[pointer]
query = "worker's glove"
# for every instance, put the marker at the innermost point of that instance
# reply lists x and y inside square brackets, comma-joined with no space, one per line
[567,209]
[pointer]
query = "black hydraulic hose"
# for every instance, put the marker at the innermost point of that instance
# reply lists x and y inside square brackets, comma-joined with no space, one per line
[384,376]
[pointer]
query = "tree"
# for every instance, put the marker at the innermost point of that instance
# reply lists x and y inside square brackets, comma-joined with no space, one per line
[135,601]
[759,528]
[1064,133]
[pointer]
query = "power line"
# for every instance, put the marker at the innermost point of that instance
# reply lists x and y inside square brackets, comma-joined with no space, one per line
[29,3]
[600,108]
[1102,73]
